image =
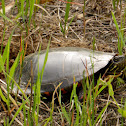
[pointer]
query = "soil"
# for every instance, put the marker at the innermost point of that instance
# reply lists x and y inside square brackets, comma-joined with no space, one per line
[98,25]
[96,30]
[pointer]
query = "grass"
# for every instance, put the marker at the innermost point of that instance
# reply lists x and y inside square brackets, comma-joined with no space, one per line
[66,27]
[121,37]
[78,113]
[116,4]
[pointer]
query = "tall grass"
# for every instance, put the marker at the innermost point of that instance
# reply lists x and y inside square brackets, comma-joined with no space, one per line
[83,113]
[65,28]
[37,88]
[116,4]
[3,8]
[121,45]
[4,59]
[9,77]
[121,37]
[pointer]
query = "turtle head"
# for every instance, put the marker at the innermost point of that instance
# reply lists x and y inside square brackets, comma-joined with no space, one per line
[118,64]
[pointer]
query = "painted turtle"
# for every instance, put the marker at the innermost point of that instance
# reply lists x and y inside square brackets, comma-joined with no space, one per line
[65,63]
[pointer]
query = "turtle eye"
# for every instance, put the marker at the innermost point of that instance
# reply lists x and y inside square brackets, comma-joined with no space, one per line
[118,59]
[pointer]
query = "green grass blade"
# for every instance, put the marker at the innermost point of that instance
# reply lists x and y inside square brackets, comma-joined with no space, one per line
[1,64]
[46,121]
[3,39]
[46,57]
[67,14]
[17,16]
[119,34]
[12,69]
[122,111]
[71,21]
[14,82]
[24,113]
[100,115]
[113,2]
[6,51]
[65,114]
[6,18]
[38,85]
[67,10]
[31,10]
[62,30]
[26,7]
[29,119]
[3,6]
[3,97]
[19,110]
[22,9]
[4,57]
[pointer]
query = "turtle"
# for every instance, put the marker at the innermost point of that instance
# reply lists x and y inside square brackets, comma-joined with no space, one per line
[67,65]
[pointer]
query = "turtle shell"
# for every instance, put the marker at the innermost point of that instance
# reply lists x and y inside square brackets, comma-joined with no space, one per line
[63,64]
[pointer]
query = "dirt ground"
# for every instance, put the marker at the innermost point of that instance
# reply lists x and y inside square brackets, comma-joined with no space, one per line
[97,24]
